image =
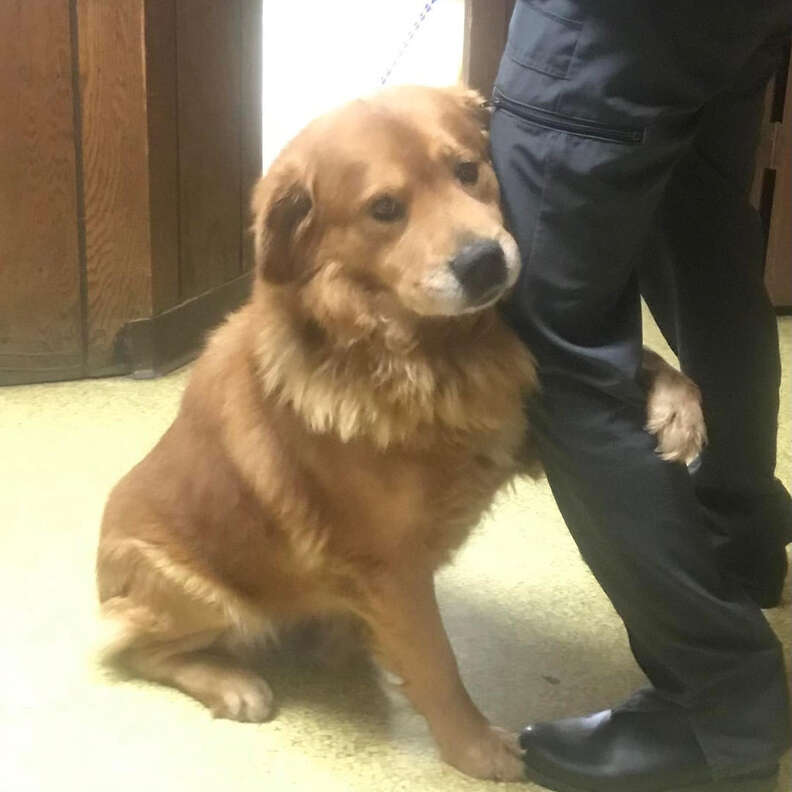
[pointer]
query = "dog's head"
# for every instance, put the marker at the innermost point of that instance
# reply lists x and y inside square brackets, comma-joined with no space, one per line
[389,205]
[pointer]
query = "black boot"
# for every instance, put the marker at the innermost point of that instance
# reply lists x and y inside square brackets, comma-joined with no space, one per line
[629,750]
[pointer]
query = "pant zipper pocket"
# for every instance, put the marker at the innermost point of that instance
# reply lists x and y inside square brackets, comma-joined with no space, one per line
[562,123]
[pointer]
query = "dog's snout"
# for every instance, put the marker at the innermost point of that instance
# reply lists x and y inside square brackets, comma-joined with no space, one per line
[480,267]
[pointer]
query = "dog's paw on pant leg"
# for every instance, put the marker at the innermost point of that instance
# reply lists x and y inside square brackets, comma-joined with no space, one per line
[674,414]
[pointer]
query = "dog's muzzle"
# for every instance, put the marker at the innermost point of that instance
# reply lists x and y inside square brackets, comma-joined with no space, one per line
[480,268]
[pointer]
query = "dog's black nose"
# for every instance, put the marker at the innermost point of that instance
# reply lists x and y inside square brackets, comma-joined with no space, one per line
[480,267]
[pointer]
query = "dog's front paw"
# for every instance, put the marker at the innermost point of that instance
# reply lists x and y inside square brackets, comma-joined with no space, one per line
[494,755]
[674,416]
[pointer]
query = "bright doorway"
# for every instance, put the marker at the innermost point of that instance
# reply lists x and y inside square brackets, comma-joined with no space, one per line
[320,53]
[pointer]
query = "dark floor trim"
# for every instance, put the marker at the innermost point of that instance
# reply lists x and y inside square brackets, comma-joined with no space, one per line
[12,372]
[152,347]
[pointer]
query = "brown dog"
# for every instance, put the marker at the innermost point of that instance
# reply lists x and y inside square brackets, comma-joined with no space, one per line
[344,431]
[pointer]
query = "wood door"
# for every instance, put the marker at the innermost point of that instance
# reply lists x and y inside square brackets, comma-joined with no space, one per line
[113,139]
[41,316]
[130,139]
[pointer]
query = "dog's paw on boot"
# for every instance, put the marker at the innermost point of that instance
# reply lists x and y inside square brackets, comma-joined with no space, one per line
[493,755]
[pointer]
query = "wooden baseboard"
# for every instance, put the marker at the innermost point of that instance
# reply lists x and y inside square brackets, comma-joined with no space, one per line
[24,369]
[152,347]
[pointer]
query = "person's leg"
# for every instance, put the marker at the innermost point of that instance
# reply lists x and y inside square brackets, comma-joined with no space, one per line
[702,276]
[595,104]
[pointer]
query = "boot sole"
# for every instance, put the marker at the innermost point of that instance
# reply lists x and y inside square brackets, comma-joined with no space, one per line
[764,782]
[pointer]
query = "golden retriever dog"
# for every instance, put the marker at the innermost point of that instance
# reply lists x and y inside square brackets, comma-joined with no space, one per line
[345,430]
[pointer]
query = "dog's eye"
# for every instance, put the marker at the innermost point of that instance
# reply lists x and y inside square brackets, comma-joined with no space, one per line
[387,209]
[467,172]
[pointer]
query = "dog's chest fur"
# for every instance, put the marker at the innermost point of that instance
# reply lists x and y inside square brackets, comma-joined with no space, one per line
[430,496]
[399,447]
[293,471]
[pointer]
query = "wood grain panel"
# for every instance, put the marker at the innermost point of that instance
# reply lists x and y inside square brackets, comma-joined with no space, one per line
[40,318]
[250,117]
[778,264]
[763,159]
[163,152]
[486,26]
[113,102]
[210,207]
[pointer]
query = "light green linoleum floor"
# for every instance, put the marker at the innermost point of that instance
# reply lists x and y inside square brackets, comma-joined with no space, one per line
[534,635]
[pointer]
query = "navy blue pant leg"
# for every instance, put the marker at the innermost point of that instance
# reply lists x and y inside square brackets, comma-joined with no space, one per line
[597,104]
[702,276]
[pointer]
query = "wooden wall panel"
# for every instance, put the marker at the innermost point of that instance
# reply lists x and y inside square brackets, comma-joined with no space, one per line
[130,138]
[163,167]
[771,192]
[764,152]
[486,26]
[778,264]
[40,316]
[251,117]
[209,80]
[114,145]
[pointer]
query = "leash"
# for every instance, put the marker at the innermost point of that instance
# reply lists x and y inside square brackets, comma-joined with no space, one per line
[416,26]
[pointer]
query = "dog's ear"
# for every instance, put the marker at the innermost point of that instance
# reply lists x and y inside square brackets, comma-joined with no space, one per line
[282,215]
[474,104]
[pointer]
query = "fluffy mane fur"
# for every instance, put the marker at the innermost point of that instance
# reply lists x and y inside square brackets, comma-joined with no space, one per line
[388,382]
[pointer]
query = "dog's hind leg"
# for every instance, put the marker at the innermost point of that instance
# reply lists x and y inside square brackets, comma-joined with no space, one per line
[160,629]
[225,687]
